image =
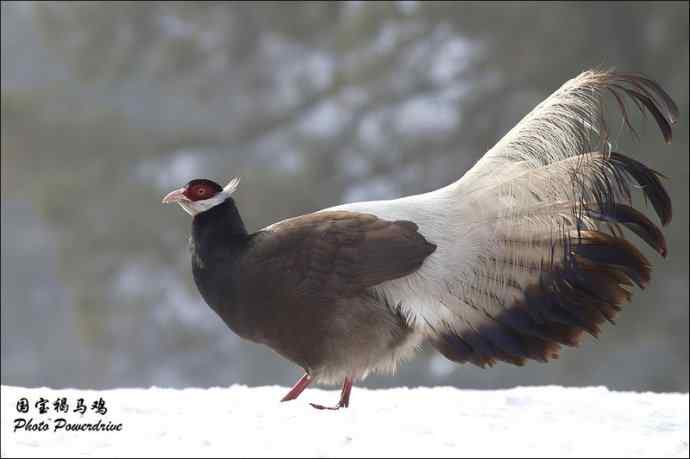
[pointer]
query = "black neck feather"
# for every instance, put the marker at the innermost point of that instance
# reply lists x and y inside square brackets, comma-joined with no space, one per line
[218,241]
[218,229]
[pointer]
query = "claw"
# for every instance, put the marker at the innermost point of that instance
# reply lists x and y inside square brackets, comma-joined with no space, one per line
[344,398]
[331,408]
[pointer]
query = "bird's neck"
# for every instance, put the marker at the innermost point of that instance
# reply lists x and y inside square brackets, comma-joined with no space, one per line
[218,242]
[218,228]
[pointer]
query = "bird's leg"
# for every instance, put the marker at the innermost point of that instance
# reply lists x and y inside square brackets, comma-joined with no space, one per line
[344,397]
[345,393]
[298,388]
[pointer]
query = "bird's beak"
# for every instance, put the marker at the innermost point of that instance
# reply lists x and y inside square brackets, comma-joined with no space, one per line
[175,196]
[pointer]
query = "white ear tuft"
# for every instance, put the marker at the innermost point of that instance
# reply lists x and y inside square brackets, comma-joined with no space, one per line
[232,185]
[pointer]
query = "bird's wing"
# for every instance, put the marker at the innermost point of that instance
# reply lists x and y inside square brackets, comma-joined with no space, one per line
[531,248]
[340,254]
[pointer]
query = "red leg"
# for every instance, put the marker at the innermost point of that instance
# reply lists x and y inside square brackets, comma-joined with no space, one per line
[298,388]
[344,397]
[345,393]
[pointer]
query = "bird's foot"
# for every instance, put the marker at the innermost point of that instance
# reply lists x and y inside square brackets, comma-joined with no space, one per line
[331,408]
[306,380]
[344,398]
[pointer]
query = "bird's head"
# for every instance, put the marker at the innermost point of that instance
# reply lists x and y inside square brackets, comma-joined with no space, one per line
[199,195]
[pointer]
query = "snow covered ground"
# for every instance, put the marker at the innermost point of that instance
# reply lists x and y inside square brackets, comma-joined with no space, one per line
[242,421]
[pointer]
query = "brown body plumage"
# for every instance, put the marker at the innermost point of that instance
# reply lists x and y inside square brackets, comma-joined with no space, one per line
[525,253]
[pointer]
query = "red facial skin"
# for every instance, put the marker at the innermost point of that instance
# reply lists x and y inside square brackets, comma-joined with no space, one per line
[200,189]
[199,192]
[196,190]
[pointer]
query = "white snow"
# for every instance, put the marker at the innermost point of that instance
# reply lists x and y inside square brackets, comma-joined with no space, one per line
[247,422]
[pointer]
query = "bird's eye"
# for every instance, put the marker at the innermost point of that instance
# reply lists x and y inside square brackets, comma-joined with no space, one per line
[201,191]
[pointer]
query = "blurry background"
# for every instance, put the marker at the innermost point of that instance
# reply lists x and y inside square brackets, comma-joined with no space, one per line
[106,107]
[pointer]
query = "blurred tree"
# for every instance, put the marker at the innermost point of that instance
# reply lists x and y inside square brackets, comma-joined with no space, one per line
[312,104]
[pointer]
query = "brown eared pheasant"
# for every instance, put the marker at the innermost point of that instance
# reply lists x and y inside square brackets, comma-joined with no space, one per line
[522,255]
